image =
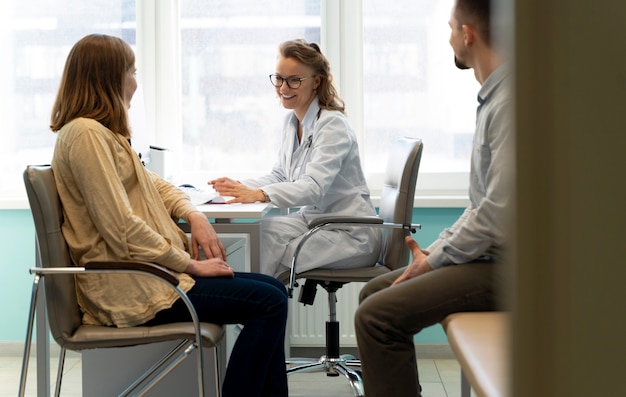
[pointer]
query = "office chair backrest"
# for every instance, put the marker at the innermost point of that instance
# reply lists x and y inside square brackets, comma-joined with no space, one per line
[396,199]
[62,306]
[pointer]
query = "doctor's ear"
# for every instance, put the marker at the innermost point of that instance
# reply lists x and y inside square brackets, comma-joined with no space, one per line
[317,82]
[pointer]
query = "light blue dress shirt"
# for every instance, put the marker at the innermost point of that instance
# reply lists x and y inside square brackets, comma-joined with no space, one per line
[482,230]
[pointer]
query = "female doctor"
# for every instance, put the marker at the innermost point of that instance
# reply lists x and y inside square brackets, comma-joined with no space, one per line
[318,169]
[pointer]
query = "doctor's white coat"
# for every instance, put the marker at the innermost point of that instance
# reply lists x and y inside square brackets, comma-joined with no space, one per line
[322,174]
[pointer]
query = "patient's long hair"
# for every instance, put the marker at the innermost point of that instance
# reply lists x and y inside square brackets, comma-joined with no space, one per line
[92,84]
[311,55]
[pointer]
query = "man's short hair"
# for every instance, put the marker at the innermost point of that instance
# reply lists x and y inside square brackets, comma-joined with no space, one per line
[476,13]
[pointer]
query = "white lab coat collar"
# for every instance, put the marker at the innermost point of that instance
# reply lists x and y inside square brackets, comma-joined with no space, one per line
[311,116]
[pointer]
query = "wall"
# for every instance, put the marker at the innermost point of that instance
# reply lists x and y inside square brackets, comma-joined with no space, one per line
[17,242]
[569,322]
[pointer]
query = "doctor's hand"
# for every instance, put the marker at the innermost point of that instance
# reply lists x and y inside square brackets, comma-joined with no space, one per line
[209,268]
[204,236]
[419,265]
[240,192]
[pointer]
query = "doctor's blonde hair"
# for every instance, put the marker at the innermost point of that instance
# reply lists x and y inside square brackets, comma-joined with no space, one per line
[310,54]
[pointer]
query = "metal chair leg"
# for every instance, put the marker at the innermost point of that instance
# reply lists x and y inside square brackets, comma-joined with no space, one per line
[216,371]
[332,367]
[57,388]
[306,366]
[356,382]
[29,336]
[332,363]
[161,368]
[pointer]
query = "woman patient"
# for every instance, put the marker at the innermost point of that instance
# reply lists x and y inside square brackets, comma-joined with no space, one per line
[115,209]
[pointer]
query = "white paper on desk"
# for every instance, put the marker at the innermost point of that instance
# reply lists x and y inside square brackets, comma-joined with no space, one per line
[203,196]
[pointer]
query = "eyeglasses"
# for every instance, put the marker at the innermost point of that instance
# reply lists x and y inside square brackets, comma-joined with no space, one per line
[292,82]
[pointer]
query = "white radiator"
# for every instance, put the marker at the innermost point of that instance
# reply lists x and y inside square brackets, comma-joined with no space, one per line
[307,324]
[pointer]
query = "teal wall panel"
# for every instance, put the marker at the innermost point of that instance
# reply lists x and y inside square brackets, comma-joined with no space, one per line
[17,244]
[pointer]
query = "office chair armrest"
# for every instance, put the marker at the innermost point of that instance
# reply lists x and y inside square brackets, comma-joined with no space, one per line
[360,220]
[366,221]
[146,267]
[325,221]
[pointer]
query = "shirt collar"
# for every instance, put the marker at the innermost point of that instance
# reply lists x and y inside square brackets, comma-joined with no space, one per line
[492,82]
[311,114]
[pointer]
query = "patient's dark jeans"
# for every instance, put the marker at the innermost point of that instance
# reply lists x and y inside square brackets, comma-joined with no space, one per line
[257,362]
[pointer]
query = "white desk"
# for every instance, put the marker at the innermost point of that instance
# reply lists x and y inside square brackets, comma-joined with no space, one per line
[226,212]
[223,216]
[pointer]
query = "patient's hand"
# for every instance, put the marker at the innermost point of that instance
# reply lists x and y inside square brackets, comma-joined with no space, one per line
[209,268]
[203,235]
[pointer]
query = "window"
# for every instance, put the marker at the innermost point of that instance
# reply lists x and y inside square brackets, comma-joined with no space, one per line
[412,88]
[35,40]
[231,116]
[203,74]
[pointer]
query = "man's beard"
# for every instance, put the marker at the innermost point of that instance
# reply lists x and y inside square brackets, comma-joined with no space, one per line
[460,64]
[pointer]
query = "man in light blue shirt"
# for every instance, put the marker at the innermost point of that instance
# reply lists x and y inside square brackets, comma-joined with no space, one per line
[463,269]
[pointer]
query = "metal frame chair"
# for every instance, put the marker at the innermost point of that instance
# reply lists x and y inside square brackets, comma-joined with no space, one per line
[63,312]
[395,217]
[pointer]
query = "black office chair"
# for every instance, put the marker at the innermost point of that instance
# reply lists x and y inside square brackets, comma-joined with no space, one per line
[395,217]
[63,312]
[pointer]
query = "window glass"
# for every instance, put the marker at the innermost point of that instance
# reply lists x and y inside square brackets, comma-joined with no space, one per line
[411,86]
[231,116]
[35,38]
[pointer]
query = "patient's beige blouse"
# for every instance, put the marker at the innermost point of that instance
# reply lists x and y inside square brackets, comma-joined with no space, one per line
[115,209]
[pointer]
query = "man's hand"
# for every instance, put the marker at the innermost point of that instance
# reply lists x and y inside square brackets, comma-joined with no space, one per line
[204,236]
[209,268]
[419,264]
[240,192]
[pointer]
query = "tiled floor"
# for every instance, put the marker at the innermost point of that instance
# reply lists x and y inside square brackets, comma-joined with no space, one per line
[440,377]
